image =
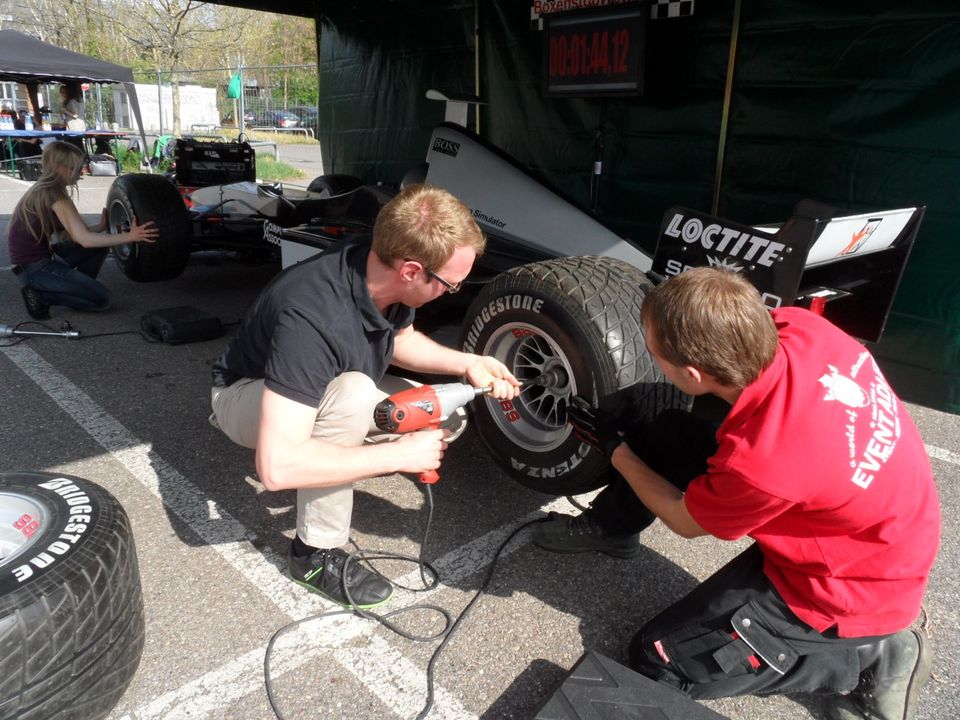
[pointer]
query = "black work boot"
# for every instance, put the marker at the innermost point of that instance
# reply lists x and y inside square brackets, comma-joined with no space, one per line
[322,572]
[892,671]
[36,307]
[582,533]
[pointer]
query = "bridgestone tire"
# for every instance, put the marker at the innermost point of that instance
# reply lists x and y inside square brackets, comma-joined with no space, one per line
[578,317]
[150,198]
[71,608]
[334,184]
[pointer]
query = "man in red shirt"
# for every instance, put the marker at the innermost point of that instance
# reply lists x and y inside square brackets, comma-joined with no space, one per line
[817,461]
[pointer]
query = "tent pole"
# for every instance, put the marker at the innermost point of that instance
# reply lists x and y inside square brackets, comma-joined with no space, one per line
[99,108]
[725,116]
[160,101]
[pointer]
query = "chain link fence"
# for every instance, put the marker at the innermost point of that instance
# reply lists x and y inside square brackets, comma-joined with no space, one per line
[278,98]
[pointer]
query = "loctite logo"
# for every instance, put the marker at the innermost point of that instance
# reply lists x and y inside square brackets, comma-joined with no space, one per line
[447,147]
[732,242]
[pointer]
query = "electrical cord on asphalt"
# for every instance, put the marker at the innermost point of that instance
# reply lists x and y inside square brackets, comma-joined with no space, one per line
[446,633]
[450,625]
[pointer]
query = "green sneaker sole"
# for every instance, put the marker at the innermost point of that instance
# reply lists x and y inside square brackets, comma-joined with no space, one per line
[319,592]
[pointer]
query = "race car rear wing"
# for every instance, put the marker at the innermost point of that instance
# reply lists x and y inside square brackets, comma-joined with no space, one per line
[844,266]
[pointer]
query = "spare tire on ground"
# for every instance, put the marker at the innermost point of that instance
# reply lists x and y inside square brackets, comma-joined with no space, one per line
[150,198]
[578,320]
[71,607]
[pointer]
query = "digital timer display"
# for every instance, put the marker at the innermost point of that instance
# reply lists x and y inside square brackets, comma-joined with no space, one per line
[595,54]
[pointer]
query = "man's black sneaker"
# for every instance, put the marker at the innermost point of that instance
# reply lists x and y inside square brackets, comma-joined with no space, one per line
[322,572]
[580,533]
[36,307]
[890,680]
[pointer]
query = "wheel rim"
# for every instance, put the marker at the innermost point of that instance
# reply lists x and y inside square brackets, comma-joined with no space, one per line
[536,420]
[21,520]
[119,221]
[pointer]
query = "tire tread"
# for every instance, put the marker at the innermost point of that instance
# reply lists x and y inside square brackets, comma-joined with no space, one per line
[71,641]
[154,198]
[596,301]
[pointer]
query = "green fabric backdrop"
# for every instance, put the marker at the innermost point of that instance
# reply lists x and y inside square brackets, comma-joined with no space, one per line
[848,103]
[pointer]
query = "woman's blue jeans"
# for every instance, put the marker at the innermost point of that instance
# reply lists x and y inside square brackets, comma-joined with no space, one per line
[69,278]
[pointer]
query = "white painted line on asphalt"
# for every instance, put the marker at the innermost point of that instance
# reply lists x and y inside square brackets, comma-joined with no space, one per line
[299,647]
[938,453]
[398,683]
[199,698]
[382,669]
[224,534]
[226,684]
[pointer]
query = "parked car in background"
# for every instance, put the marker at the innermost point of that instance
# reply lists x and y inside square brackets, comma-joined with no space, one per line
[249,119]
[308,117]
[277,119]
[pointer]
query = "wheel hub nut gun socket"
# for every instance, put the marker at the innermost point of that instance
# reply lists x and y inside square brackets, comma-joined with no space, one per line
[423,407]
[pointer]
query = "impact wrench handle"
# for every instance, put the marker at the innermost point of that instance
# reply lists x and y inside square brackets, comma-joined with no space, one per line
[426,406]
[8,332]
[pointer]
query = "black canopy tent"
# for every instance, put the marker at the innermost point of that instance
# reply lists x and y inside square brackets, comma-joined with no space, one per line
[24,59]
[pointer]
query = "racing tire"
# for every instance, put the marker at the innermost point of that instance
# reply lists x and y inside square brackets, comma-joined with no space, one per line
[150,197]
[577,319]
[71,607]
[335,184]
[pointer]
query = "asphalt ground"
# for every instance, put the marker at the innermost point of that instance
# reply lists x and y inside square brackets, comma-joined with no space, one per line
[132,416]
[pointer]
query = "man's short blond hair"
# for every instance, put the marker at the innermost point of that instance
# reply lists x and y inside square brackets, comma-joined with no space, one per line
[426,224]
[713,320]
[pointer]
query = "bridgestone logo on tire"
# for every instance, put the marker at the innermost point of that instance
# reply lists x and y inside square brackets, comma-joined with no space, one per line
[81,514]
[577,318]
[494,308]
[71,607]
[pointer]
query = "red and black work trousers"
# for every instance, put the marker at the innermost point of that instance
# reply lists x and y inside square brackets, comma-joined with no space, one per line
[733,634]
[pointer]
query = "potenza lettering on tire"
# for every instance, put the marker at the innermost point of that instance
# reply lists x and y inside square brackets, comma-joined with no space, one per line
[549,473]
[71,607]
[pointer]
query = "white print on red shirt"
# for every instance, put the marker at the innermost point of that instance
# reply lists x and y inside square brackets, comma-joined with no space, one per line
[873,423]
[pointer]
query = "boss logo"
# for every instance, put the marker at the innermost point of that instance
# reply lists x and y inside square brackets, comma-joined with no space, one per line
[447,147]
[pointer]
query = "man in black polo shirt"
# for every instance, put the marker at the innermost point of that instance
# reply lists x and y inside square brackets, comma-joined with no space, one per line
[301,378]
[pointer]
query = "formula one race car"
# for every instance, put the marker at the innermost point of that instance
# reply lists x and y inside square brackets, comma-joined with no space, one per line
[557,294]
[188,223]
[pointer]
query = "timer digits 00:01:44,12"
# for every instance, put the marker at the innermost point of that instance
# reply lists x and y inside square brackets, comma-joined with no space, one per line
[582,54]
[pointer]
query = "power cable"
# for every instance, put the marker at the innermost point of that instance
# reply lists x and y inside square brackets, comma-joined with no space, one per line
[450,626]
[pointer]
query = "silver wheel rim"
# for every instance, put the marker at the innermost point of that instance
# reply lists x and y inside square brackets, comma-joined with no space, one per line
[21,522]
[536,420]
[118,221]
